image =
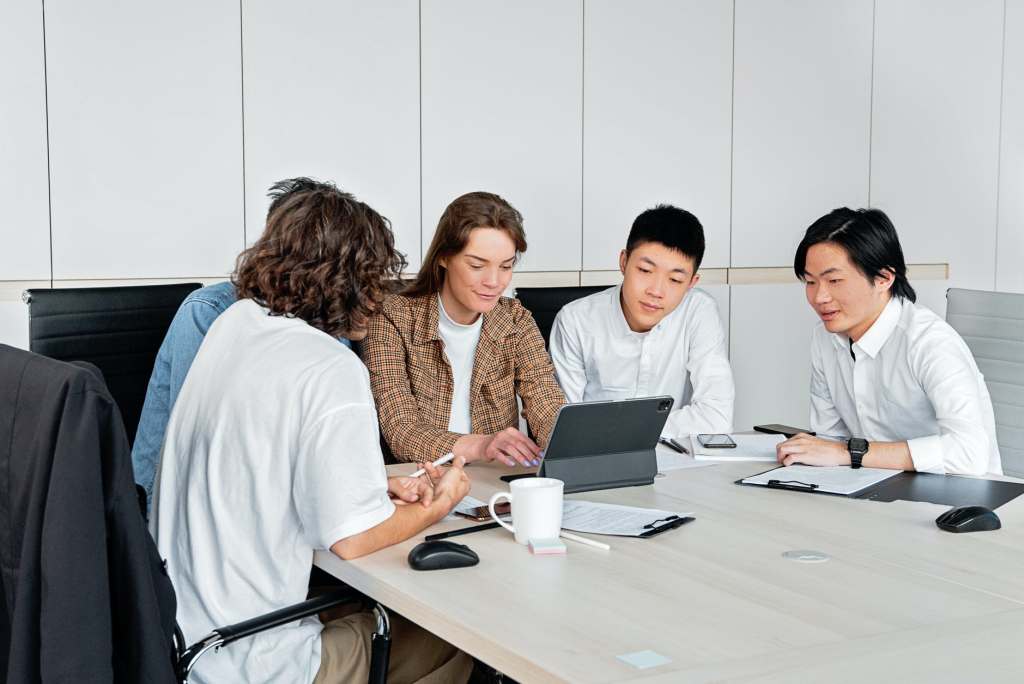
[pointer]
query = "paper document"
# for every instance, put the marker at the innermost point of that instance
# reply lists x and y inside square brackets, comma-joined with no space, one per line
[673,460]
[622,521]
[827,479]
[750,446]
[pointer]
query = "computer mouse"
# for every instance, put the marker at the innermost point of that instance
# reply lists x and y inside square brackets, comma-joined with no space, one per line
[440,555]
[968,519]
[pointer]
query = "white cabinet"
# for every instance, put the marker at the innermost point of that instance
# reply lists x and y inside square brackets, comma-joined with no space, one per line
[25,226]
[332,92]
[1010,245]
[656,120]
[501,110]
[935,130]
[770,352]
[801,120]
[145,113]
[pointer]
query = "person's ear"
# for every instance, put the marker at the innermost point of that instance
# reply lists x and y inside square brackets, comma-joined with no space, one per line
[623,257]
[885,279]
[694,280]
[443,262]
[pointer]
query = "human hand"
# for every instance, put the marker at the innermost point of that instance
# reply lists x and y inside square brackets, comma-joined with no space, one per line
[511,447]
[452,486]
[403,490]
[802,448]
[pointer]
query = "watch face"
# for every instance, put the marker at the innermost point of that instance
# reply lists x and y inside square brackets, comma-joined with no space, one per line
[857,444]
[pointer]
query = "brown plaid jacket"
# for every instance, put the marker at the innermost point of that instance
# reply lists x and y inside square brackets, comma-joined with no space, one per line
[412,380]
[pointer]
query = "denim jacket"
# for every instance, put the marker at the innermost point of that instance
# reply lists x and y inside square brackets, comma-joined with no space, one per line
[194,317]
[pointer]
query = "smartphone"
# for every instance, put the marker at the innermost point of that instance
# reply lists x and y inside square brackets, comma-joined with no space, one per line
[716,441]
[481,513]
[776,429]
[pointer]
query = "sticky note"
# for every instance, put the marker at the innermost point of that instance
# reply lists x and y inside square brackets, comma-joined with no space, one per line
[642,660]
[545,547]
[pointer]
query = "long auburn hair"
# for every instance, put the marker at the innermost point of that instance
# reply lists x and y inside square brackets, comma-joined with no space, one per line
[472,210]
[324,257]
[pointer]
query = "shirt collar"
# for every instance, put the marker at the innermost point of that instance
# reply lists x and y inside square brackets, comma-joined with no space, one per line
[872,341]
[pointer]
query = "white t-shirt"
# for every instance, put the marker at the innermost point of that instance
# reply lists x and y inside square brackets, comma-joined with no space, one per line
[460,347]
[914,380]
[271,452]
[598,357]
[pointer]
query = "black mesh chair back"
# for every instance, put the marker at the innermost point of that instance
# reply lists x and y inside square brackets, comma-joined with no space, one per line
[545,302]
[117,329]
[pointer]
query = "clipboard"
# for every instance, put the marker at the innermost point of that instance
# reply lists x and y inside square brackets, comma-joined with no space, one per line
[836,480]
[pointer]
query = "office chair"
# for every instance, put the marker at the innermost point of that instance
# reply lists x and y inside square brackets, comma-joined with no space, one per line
[992,325]
[117,329]
[545,302]
[61,486]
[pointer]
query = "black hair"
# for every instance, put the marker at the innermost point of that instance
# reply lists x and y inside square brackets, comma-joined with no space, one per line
[672,227]
[870,241]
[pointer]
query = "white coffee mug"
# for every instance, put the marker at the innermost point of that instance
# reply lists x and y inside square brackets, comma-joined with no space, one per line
[536,508]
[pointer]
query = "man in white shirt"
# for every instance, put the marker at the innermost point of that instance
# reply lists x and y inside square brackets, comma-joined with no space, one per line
[892,384]
[272,452]
[654,334]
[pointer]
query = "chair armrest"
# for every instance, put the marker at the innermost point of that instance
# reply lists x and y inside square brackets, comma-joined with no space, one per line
[240,630]
[222,636]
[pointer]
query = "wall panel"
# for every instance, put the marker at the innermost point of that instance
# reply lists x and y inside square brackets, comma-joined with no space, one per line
[145,137]
[1010,252]
[935,130]
[656,120]
[802,119]
[332,92]
[25,227]
[501,112]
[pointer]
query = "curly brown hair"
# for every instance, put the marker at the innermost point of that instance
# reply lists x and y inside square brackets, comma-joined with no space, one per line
[324,257]
[472,210]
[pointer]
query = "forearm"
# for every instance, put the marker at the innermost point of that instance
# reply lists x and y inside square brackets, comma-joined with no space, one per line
[892,455]
[407,521]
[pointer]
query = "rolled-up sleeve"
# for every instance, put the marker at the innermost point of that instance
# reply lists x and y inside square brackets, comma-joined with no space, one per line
[949,378]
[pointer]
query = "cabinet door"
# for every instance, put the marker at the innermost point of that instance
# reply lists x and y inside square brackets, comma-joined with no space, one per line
[501,112]
[25,227]
[770,352]
[935,130]
[1010,245]
[332,92]
[801,122]
[145,111]
[656,120]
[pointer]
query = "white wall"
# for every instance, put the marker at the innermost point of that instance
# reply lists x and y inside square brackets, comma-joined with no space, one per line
[143,136]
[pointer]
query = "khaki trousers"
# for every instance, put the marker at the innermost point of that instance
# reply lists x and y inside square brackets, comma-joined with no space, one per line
[416,654]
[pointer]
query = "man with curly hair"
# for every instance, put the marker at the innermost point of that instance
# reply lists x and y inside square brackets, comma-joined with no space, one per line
[272,452]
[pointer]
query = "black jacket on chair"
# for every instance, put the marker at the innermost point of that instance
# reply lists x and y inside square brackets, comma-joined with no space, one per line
[86,596]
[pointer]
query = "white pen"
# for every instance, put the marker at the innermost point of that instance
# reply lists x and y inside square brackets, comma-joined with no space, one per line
[583,540]
[439,462]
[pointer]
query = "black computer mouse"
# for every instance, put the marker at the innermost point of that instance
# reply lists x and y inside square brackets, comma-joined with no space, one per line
[440,555]
[968,519]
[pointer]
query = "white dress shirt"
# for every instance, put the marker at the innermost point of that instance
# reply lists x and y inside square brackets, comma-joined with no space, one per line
[914,380]
[598,357]
[460,342]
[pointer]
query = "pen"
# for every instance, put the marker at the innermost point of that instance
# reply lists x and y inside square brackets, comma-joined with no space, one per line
[673,444]
[464,530]
[439,462]
[583,540]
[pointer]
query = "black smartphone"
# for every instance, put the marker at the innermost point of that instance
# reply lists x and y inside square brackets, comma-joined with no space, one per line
[776,429]
[716,441]
[517,476]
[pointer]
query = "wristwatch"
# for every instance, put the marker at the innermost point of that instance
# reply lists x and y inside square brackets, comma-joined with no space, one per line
[857,448]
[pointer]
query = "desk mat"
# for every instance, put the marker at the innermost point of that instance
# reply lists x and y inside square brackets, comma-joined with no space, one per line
[948,490]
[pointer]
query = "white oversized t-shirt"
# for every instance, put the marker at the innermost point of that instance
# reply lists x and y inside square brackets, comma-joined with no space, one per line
[271,452]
